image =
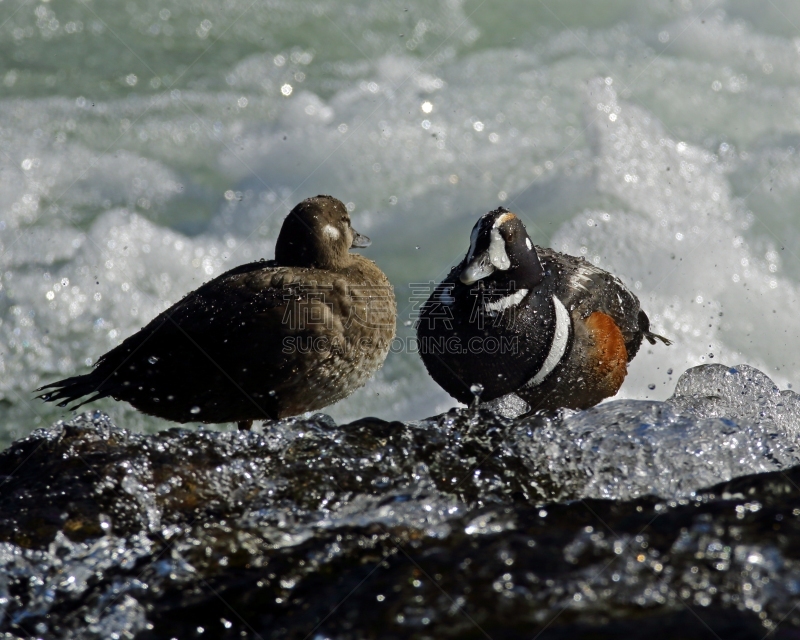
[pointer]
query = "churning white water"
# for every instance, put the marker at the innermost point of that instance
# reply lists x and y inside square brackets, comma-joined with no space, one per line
[146,147]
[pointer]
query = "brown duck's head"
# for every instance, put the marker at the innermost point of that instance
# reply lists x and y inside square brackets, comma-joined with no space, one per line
[317,233]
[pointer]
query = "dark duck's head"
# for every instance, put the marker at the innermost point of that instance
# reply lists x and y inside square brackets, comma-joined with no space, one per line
[317,234]
[501,256]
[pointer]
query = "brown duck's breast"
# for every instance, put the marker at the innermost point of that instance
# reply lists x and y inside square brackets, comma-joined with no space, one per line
[373,309]
[355,326]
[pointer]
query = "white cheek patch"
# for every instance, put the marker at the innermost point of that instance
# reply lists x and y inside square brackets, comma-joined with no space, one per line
[559,346]
[506,302]
[529,244]
[330,232]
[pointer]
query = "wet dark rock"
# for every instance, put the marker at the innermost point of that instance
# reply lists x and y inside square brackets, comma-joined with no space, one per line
[577,524]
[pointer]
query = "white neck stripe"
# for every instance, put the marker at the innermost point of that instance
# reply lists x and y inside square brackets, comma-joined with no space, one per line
[511,300]
[559,346]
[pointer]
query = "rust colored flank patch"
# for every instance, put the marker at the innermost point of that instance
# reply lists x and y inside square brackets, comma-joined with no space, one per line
[608,355]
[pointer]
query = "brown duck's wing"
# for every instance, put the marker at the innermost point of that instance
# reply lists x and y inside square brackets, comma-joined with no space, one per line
[240,320]
[208,317]
[224,340]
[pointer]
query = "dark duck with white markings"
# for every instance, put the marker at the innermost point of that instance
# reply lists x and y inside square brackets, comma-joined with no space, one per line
[265,340]
[514,319]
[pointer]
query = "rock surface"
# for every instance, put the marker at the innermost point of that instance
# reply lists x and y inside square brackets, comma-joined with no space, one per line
[637,519]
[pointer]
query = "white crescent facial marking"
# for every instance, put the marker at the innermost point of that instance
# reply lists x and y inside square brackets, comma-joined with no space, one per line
[496,256]
[497,251]
[506,302]
[330,232]
[529,244]
[559,346]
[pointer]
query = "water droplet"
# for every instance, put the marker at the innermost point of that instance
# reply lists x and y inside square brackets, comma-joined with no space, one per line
[194,410]
[669,372]
[651,386]
[152,359]
[710,355]
[476,389]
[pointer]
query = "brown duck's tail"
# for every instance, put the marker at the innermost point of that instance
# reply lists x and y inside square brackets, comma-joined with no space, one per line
[72,389]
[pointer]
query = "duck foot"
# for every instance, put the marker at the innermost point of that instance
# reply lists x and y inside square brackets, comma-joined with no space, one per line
[244,425]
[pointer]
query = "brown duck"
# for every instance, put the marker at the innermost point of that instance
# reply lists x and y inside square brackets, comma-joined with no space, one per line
[265,340]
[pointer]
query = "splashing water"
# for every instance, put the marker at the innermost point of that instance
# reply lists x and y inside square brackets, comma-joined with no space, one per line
[125,533]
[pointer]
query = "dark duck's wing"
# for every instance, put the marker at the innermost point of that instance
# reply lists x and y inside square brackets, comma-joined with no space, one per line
[585,289]
[216,356]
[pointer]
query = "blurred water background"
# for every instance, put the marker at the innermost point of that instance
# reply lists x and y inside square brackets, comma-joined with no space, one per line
[146,147]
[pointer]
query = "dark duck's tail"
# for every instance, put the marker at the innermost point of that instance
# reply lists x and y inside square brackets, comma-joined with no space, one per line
[74,388]
[652,337]
[644,327]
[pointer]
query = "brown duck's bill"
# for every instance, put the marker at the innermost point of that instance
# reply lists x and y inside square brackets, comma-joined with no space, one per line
[360,241]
